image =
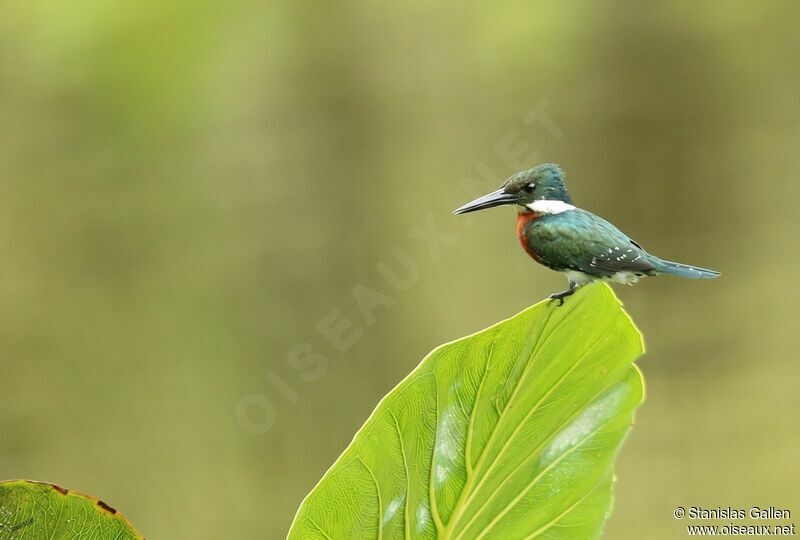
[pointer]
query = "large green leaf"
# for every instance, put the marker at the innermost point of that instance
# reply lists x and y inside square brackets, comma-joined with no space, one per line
[509,433]
[35,510]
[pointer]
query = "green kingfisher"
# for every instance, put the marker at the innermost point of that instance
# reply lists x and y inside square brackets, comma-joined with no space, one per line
[562,237]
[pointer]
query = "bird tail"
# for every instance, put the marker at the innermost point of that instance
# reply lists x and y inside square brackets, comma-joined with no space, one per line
[684,270]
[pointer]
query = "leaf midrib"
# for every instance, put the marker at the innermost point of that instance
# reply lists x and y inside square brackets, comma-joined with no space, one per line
[460,505]
[546,440]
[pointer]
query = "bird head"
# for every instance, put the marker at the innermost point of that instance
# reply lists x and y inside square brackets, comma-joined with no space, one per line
[541,183]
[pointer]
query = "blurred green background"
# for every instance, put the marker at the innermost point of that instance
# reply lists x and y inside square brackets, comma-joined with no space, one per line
[188,188]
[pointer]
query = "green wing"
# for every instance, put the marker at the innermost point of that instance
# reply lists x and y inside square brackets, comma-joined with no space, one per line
[579,240]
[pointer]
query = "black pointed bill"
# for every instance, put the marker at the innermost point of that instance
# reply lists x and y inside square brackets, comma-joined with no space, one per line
[495,198]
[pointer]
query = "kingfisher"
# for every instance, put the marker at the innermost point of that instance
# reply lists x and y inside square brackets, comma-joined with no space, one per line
[567,239]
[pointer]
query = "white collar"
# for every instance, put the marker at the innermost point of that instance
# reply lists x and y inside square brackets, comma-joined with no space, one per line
[544,206]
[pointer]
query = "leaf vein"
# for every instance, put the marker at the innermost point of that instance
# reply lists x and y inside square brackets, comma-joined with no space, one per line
[378,492]
[528,415]
[507,508]
[406,525]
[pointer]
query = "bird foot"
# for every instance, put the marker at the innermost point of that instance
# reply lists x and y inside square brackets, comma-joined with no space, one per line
[563,294]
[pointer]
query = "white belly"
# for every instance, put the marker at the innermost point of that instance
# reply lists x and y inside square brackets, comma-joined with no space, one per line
[624,277]
[579,278]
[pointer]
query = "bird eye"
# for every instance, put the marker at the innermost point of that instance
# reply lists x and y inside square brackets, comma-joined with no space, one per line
[528,188]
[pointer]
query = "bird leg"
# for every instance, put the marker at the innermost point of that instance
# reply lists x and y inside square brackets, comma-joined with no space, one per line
[561,295]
